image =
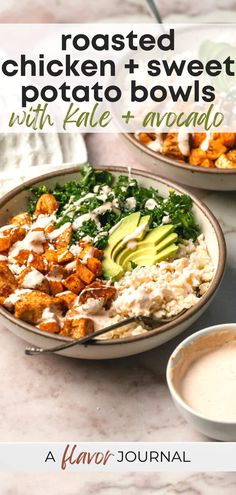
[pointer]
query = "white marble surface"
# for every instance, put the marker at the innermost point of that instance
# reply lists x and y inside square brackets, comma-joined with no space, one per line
[54,398]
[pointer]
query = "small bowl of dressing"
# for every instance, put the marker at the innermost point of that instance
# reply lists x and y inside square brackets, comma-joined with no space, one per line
[201,376]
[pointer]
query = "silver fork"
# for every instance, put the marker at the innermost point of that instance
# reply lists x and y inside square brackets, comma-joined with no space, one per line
[147,321]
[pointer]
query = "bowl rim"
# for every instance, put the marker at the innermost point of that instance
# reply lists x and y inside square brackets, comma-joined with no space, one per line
[4,314]
[174,393]
[175,163]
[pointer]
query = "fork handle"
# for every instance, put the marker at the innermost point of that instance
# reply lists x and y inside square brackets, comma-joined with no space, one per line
[32,351]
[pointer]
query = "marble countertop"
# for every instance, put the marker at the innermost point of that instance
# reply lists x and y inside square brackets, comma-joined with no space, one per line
[59,399]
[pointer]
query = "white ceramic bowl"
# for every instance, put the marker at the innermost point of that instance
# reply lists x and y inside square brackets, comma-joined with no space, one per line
[203,178]
[219,430]
[16,201]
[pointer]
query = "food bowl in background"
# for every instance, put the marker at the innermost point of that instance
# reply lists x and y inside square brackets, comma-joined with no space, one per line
[183,173]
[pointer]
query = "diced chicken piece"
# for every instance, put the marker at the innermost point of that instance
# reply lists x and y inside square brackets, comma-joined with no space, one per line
[77,327]
[74,284]
[170,146]
[46,205]
[84,273]
[226,160]
[21,219]
[97,291]
[8,283]
[31,306]
[95,266]
[33,279]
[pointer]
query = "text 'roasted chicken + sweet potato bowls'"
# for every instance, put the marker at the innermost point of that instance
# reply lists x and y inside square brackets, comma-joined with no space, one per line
[203,159]
[82,251]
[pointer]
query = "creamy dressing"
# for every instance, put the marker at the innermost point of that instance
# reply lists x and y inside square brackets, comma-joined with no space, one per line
[11,300]
[134,234]
[32,279]
[43,221]
[183,143]
[157,144]
[205,144]
[33,241]
[57,232]
[209,384]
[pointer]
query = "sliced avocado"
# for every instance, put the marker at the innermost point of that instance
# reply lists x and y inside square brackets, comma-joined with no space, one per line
[138,236]
[166,253]
[127,225]
[111,269]
[149,260]
[157,235]
[150,251]
[144,222]
[124,230]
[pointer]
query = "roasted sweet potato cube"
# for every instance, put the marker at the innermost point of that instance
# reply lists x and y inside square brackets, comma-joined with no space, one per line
[67,297]
[10,236]
[228,139]
[50,255]
[64,256]
[77,327]
[38,262]
[73,283]
[95,266]
[89,251]
[21,219]
[55,287]
[46,205]
[207,163]
[31,306]
[49,326]
[84,273]
[197,156]
[215,149]
[197,138]
[81,327]
[8,283]
[33,279]
[2,300]
[63,240]
[5,242]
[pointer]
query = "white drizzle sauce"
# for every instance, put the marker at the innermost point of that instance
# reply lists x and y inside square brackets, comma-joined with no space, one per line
[205,144]
[32,279]
[183,143]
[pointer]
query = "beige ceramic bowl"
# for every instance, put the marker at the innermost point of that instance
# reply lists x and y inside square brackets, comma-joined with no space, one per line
[203,178]
[16,201]
[219,430]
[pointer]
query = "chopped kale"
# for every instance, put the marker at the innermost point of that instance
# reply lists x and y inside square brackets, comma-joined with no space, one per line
[177,208]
